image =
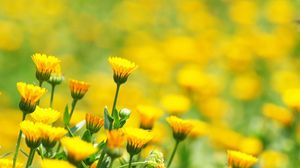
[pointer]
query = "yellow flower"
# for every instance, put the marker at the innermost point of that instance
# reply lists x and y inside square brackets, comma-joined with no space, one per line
[181,128]
[243,12]
[200,129]
[32,133]
[251,146]
[115,138]
[56,76]
[291,98]
[278,114]
[45,65]
[8,163]
[122,68]
[77,149]
[273,159]
[148,115]
[246,87]
[78,88]
[30,94]
[93,122]
[176,104]
[50,135]
[51,163]
[240,160]
[190,78]
[137,139]
[45,115]
[280,12]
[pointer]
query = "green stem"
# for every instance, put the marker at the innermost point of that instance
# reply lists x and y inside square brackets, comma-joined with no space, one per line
[73,108]
[132,164]
[30,158]
[115,102]
[69,130]
[173,154]
[18,144]
[130,160]
[40,84]
[100,159]
[52,95]
[112,162]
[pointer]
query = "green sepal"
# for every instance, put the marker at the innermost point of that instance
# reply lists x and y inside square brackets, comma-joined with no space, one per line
[115,115]
[87,136]
[61,156]
[66,116]
[108,120]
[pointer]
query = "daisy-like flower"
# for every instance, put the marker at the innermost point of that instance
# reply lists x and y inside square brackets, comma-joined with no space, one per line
[148,115]
[93,122]
[30,94]
[56,76]
[51,135]
[277,113]
[50,163]
[115,142]
[45,115]
[77,149]
[78,88]
[176,104]
[122,68]
[45,65]
[8,163]
[181,128]
[32,133]
[238,159]
[136,139]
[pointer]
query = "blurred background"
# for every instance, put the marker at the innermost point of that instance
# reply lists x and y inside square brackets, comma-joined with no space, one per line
[228,63]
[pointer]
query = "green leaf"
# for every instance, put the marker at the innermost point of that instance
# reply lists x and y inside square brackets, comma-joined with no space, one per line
[66,116]
[108,120]
[61,156]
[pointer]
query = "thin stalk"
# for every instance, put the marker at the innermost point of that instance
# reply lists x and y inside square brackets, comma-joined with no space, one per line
[115,102]
[40,84]
[173,154]
[130,160]
[52,95]
[112,162]
[100,159]
[73,107]
[30,158]
[18,143]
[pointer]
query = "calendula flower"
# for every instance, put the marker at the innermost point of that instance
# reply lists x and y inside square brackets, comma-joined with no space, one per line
[137,139]
[77,149]
[181,128]
[291,98]
[278,114]
[122,68]
[50,135]
[148,115]
[30,94]
[51,163]
[45,65]
[56,76]
[32,133]
[176,104]
[78,88]
[238,159]
[93,122]
[200,129]
[250,145]
[45,115]
[8,163]
[115,141]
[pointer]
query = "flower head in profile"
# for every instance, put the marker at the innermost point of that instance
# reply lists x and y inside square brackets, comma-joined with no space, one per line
[45,65]
[93,122]
[122,68]
[32,133]
[78,88]
[50,135]
[136,139]
[30,94]
[181,128]
[148,115]
[56,76]
[277,113]
[115,142]
[50,163]
[77,149]
[176,104]
[240,160]
[8,163]
[291,97]
[45,115]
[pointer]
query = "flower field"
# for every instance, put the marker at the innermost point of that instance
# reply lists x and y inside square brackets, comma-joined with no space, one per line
[150,84]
